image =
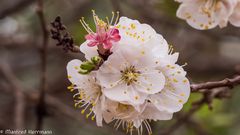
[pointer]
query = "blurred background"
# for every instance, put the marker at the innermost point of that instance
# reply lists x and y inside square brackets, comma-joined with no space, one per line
[211,55]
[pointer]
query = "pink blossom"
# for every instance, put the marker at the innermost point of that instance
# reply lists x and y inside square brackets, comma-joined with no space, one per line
[105,38]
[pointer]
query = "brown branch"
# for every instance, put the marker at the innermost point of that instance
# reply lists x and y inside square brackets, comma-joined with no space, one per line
[41,109]
[19,111]
[216,84]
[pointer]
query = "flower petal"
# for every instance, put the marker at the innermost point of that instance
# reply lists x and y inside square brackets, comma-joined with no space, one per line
[72,71]
[173,96]
[203,15]
[152,113]
[117,93]
[88,51]
[151,83]
[131,31]
[235,17]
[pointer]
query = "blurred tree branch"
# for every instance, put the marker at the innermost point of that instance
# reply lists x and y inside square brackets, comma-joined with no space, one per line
[13,6]
[19,111]
[41,108]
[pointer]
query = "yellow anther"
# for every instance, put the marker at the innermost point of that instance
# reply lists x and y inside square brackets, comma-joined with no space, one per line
[83,111]
[182,94]
[133,26]
[93,117]
[184,81]
[175,80]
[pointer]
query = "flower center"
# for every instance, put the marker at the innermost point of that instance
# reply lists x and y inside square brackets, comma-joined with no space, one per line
[130,75]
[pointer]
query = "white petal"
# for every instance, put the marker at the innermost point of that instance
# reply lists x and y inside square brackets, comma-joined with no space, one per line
[235,17]
[150,82]
[109,110]
[173,96]
[157,45]
[137,123]
[72,71]
[88,51]
[173,69]
[136,97]
[131,31]
[118,93]
[97,109]
[152,113]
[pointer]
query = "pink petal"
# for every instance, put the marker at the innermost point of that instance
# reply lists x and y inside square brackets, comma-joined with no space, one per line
[114,31]
[90,36]
[116,38]
[92,43]
[107,44]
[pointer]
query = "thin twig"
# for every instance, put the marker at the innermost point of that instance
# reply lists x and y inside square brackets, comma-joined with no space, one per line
[41,109]
[216,84]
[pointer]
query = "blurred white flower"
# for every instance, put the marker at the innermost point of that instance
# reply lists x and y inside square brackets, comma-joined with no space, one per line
[207,14]
[235,17]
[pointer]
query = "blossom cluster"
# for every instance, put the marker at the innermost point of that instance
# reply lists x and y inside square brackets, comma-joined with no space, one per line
[130,75]
[207,14]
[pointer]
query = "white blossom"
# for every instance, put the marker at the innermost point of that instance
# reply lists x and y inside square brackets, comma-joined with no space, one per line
[89,95]
[131,119]
[140,80]
[207,14]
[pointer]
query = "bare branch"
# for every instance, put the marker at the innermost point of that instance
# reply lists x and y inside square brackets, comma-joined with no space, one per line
[41,109]
[216,84]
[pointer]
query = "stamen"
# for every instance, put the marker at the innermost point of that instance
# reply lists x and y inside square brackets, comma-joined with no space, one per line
[112,18]
[116,18]
[185,64]
[85,25]
[94,17]
[93,117]
[117,121]
[108,23]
